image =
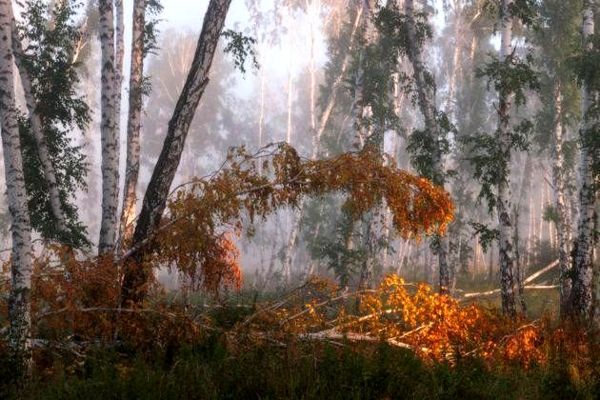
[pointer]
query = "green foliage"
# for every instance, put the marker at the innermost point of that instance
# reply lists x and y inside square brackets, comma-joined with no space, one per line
[153,9]
[241,48]
[524,10]
[550,213]
[512,76]
[50,38]
[486,235]
[423,146]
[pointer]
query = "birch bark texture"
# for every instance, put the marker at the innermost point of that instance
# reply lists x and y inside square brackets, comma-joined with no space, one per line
[506,226]
[37,130]
[155,199]
[563,225]
[426,97]
[581,292]
[134,121]
[109,129]
[21,263]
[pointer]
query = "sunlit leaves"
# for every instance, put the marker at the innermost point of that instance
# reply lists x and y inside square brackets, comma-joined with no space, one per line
[193,238]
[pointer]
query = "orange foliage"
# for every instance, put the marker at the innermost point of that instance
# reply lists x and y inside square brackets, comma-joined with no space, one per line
[201,213]
[75,301]
[435,326]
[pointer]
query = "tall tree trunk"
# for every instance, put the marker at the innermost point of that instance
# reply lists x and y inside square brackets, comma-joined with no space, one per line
[292,220]
[317,130]
[313,9]
[563,225]
[506,226]
[450,100]
[37,131]
[517,212]
[426,93]
[134,121]
[21,265]
[109,129]
[261,115]
[581,292]
[136,274]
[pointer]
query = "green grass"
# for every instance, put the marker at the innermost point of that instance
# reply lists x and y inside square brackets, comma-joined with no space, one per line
[299,371]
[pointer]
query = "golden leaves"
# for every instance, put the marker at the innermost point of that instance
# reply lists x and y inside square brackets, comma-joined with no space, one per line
[201,215]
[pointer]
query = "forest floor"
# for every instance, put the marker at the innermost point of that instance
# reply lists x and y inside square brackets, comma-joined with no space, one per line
[314,342]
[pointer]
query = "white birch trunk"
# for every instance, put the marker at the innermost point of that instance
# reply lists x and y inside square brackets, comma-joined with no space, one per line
[109,130]
[505,223]
[37,131]
[134,121]
[581,292]
[563,225]
[21,264]
[426,99]
[450,100]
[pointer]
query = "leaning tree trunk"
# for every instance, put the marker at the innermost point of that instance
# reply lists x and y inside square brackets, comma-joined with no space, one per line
[136,274]
[581,292]
[506,226]
[19,300]
[563,225]
[109,130]
[134,122]
[426,93]
[38,131]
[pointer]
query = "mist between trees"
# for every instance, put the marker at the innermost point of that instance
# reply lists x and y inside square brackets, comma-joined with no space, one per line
[453,142]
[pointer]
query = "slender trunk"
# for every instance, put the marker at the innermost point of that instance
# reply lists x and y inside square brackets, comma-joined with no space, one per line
[21,265]
[581,292]
[455,60]
[361,111]
[136,274]
[119,57]
[297,214]
[290,104]
[541,225]
[261,116]
[293,221]
[109,132]
[563,225]
[530,225]
[426,94]
[337,84]
[506,226]
[518,207]
[134,121]
[335,88]
[38,132]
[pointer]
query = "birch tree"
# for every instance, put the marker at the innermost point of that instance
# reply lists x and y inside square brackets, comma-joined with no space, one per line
[506,228]
[136,276]
[44,43]
[581,292]
[510,76]
[142,43]
[21,265]
[557,40]
[37,130]
[110,91]
[134,121]
[431,141]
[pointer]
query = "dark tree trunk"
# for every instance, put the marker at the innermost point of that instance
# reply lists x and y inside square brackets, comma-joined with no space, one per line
[136,274]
